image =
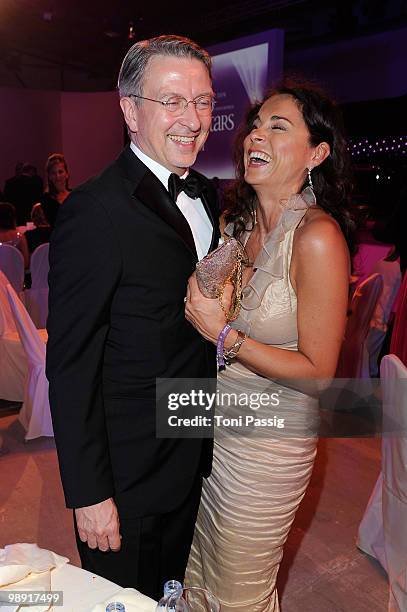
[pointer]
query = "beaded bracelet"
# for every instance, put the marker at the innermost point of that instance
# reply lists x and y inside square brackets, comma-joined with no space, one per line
[220,347]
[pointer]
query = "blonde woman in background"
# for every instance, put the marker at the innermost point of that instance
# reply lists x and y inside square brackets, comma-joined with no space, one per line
[57,186]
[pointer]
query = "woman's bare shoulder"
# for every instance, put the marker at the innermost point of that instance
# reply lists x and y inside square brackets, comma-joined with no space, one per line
[320,231]
[319,244]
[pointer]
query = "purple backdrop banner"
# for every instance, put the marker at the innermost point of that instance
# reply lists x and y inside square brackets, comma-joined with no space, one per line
[243,69]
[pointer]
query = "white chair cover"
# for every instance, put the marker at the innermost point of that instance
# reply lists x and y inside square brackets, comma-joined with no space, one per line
[13,360]
[394,465]
[398,344]
[383,530]
[368,254]
[371,533]
[7,323]
[36,298]
[35,415]
[12,265]
[354,358]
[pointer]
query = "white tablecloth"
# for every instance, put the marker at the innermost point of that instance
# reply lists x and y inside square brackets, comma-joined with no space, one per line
[82,591]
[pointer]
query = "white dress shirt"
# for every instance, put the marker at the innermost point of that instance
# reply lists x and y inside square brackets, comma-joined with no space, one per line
[193,210]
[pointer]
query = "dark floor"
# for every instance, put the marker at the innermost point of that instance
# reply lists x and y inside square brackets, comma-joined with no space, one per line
[322,569]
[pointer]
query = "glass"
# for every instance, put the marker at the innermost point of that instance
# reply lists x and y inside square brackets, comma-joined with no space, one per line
[177,105]
[115,606]
[172,600]
[201,600]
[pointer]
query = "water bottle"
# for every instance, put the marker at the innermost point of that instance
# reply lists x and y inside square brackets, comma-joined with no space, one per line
[115,606]
[172,600]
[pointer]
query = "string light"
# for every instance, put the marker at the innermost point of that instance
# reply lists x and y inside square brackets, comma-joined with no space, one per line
[132,32]
[365,148]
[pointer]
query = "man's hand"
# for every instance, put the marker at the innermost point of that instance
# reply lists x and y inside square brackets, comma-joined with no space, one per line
[98,525]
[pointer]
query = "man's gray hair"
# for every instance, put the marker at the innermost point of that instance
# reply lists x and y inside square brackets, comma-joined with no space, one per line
[133,68]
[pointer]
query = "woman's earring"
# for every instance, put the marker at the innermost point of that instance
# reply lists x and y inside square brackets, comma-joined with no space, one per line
[310,179]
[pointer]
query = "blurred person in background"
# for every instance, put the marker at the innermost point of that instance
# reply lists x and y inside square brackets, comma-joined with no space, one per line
[389,268]
[57,186]
[23,190]
[42,231]
[9,233]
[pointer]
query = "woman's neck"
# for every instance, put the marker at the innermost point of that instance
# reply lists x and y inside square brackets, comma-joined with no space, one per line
[269,207]
[267,217]
[62,195]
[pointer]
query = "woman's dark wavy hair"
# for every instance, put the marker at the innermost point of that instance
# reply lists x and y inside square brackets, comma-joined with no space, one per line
[331,179]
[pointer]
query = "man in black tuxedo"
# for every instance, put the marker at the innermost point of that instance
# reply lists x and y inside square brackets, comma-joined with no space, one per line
[121,255]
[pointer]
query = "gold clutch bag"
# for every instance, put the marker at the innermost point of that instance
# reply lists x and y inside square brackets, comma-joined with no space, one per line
[221,266]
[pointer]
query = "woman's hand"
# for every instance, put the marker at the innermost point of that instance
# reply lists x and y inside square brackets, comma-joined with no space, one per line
[206,314]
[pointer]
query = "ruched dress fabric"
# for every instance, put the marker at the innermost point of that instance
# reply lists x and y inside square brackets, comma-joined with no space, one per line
[258,479]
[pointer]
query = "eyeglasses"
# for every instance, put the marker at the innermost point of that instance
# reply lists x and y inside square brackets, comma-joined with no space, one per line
[177,105]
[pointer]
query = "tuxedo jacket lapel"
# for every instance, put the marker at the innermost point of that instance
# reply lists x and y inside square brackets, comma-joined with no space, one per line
[208,203]
[215,223]
[149,190]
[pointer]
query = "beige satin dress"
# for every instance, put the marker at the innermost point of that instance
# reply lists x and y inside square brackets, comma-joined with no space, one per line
[259,474]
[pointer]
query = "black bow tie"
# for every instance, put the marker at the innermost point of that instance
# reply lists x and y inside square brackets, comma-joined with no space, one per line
[191,185]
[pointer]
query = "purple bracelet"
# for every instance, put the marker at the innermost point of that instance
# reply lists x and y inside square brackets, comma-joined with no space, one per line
[220,346]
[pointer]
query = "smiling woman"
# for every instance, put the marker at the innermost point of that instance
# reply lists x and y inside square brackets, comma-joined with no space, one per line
[287,207]
[57,186]
[322,121]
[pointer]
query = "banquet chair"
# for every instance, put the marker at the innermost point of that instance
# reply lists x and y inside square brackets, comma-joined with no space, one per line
[13,360]
[354,359]
[35,415]
[383,530]
[367,255]
[398,343]
[12,266]
[36,298]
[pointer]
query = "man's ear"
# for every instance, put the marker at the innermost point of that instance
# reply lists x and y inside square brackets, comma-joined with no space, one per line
[321,152]
[130,113]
